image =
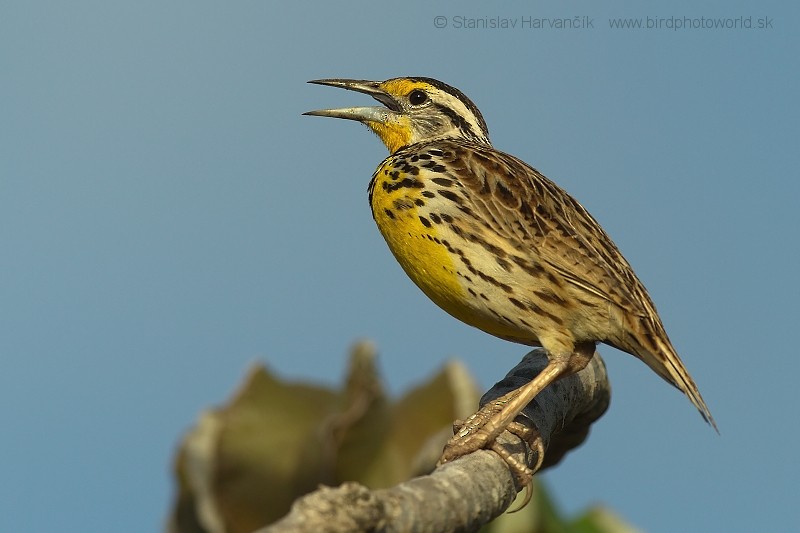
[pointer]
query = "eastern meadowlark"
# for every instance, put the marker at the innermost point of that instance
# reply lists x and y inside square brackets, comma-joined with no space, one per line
[499,246]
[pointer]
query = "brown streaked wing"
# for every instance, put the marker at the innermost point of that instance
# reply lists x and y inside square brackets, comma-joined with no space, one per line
[557,228]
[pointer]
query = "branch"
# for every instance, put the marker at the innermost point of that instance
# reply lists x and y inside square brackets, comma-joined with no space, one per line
[464,494]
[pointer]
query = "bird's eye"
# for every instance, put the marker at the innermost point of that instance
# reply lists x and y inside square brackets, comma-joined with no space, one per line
[417,97]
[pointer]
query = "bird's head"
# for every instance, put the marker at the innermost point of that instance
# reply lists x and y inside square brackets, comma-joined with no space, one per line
[416,110]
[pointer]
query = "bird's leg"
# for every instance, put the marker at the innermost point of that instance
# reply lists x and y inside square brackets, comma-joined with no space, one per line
[479,419]
[482,428]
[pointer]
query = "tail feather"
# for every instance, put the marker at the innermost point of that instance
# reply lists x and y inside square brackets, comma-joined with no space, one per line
[662,358]
[667,364]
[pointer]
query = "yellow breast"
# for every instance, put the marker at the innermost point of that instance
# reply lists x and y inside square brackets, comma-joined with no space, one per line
[405,210]
[396,198]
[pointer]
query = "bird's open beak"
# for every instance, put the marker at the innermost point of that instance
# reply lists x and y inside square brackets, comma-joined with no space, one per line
[377,114]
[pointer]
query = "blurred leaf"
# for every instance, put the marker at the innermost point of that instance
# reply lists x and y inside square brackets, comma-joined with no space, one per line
[243,465]
[601,520]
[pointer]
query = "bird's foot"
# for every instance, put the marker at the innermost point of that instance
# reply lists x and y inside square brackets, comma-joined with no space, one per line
[472,434]
[480,431]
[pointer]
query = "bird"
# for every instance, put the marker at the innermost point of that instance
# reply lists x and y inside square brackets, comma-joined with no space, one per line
[499,246]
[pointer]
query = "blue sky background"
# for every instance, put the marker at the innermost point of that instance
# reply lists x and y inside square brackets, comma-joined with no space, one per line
[167,217]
